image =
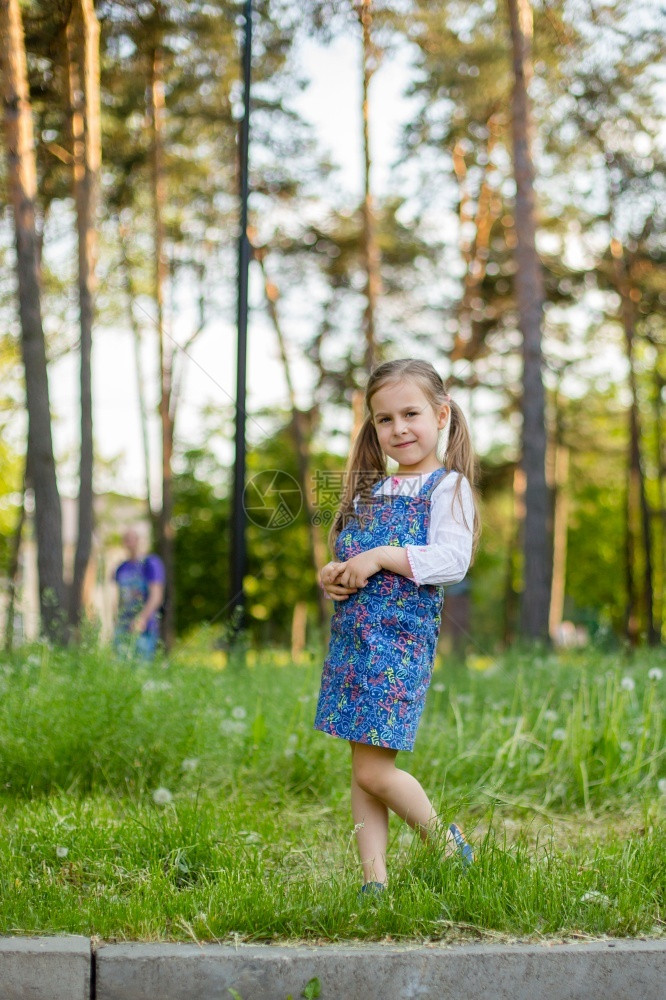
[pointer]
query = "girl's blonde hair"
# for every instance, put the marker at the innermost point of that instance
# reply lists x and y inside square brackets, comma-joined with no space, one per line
[366,465]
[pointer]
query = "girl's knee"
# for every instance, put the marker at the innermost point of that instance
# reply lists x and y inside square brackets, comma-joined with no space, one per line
[372,772]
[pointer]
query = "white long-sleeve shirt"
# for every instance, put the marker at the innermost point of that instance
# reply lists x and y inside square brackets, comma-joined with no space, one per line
[446,557]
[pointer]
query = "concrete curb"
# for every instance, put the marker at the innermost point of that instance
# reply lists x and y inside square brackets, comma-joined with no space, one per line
[608,970]
[57,967]
[68,969]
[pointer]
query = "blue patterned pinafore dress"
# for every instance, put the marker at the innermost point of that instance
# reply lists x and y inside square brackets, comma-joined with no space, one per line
[383,637]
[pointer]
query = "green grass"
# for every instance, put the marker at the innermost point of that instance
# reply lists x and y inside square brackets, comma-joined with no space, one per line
[190,801]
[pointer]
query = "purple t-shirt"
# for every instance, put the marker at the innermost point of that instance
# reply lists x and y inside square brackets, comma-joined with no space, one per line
[134,578]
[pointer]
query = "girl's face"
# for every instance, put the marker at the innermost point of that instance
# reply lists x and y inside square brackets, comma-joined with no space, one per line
[407,426]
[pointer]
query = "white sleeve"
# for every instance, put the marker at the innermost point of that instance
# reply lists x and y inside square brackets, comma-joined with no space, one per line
[446,557]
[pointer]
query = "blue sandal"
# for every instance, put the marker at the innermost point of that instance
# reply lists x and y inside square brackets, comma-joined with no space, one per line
[466,852]
[372,889]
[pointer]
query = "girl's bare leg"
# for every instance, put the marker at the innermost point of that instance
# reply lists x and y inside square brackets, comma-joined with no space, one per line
[375,774]
[370,817]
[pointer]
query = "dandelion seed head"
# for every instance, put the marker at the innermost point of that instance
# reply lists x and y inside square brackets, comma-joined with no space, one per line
[559,735]
[230,726]
[550,715]
[190,764]
[62,852]
[238,712]
[250,836]
[162,796]
[627,684]
[152,686]
[439,687]
[655,673]
[661,785]
[595,897]
[626,746]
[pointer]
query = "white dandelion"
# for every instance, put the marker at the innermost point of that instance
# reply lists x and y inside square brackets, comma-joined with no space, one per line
[627,684]
[162,796]
[439,688]
[62,852]
[230,726]
[250,836]
[595,897]
[238,712]
[559,735]
[151,686]
[190,764]
[661,785]
[626,746]
[550,715]
[655,673]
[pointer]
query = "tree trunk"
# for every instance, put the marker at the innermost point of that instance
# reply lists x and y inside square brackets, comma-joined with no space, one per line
[371,253]
[84,96]
[317,546]
[13,571]
[636,478]
[560,532]
[661,478]
[299,621]
[41,472]
[156,114]
[468,340]
[515,545]
[141,383]
[530,294]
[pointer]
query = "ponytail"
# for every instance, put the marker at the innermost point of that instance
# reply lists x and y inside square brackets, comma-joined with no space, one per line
[460,458]
[365,467]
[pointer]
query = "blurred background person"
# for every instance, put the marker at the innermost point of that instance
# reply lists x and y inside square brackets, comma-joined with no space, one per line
[140,581]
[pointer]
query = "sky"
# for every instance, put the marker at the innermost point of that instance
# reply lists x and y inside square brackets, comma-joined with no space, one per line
[331,102]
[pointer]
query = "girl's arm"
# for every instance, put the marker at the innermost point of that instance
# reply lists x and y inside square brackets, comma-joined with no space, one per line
[446,557]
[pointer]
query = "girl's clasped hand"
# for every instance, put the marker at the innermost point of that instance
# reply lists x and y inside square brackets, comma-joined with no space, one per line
[340,579]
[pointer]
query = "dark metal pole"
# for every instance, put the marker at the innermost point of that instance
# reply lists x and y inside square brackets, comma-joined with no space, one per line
[238,548]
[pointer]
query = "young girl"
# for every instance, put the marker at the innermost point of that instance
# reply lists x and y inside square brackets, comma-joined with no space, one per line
[397,539]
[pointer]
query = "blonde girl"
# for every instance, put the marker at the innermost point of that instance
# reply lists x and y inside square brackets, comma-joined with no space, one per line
[398,539]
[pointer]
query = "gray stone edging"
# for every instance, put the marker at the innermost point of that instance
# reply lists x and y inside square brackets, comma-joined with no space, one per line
[606,970]
[64,968]
[37,968]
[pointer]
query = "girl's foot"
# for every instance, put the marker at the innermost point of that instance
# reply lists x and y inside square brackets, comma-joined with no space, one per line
[462,846]
[372,889]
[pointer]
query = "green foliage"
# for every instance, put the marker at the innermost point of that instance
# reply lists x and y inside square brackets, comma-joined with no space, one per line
[11,479]
[201,549]
[280,569]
